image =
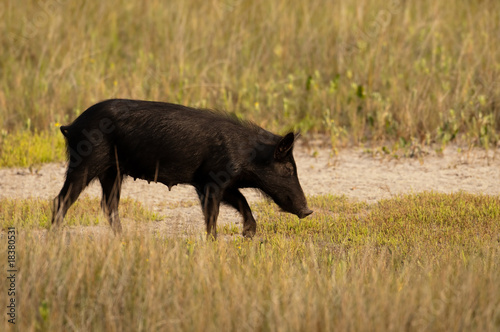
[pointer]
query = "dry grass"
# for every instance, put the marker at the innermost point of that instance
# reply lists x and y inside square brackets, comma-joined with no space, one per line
[419,262]
[361,71]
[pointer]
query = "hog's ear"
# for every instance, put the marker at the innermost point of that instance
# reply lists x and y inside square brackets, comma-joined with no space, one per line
[284,146]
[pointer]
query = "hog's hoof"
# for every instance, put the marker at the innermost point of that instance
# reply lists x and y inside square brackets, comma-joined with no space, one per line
[249,233]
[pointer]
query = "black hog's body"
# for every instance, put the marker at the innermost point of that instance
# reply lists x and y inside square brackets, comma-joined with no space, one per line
[174,144]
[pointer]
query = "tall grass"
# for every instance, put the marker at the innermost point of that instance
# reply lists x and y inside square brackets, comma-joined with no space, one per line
[412,263]
[362,70]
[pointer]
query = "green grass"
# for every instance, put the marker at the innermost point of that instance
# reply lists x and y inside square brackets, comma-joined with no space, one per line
[34,213]
[363,72]
[426,221]
[417,262]
[28,149]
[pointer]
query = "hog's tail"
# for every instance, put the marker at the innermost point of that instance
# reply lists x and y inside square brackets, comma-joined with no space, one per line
[64,130]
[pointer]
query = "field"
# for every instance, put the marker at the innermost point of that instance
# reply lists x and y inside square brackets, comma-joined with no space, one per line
[418,262]
[364,72]
[395,81]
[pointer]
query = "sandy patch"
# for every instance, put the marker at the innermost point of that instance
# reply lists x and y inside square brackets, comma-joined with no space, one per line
[353,172]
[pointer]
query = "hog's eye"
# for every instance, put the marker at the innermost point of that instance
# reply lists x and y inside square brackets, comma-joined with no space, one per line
[288,169]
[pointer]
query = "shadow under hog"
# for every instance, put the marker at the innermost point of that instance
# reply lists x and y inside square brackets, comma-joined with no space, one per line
[174,144]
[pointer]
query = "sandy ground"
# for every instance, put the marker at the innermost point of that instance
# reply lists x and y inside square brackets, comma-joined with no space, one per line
[352,172]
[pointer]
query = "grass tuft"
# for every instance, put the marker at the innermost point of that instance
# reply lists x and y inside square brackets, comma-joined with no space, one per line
[28,149]
[34,213]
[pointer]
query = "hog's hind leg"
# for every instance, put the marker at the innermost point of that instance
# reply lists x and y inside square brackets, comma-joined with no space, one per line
[111,182]
[75,182]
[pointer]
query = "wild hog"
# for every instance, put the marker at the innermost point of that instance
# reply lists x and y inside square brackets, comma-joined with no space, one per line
[174,144]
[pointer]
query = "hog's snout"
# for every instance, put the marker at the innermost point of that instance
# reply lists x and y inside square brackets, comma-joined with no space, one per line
[304,213]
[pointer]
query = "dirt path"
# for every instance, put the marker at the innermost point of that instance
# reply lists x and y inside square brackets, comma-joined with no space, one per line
[352,172]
